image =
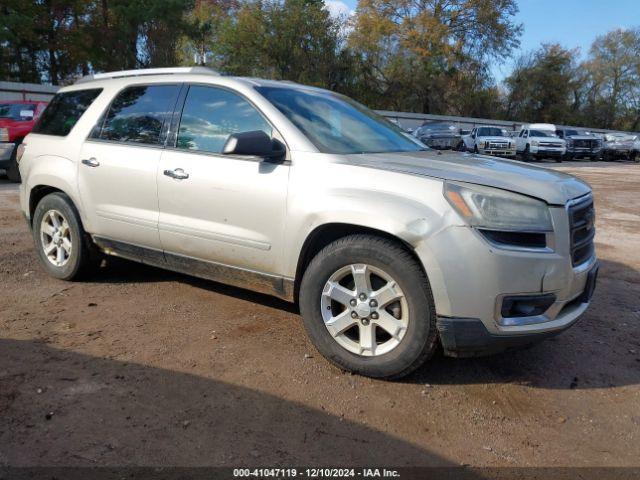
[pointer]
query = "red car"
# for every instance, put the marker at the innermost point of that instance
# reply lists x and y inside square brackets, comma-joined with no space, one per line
[17,118]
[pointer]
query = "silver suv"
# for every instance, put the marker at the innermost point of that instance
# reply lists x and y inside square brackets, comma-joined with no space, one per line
[388,247]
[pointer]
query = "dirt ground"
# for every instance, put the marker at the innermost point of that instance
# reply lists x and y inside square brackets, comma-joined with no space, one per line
[141,366]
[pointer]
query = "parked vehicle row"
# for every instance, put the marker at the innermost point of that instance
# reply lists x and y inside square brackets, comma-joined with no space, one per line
[533,141]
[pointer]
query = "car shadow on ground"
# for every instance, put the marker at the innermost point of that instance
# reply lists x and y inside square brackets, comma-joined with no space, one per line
[60,407]
[601,350]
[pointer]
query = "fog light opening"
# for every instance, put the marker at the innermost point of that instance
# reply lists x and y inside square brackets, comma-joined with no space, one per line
[526,306]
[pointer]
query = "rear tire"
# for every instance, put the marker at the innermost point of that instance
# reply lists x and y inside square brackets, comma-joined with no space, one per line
[13,173]
[391,355]
[61,243]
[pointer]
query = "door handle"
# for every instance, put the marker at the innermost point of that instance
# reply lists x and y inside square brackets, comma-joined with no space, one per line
[91,162]
[178,174]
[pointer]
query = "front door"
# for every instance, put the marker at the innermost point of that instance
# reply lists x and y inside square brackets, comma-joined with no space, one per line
[218,208]
[119,165]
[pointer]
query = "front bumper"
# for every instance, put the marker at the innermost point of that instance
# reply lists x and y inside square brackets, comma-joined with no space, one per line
[468,337]
[584,152]
[547,151]
[470,278]
[446,143]
[498,153]
[6,150]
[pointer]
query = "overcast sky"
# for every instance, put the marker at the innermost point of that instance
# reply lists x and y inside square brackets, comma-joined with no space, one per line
[572,23]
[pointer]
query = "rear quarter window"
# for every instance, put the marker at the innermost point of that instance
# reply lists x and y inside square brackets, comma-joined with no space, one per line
[64,111]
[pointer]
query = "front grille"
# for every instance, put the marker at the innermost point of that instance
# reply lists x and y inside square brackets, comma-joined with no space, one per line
[582,217]
[585,143]
[551,144]
[498,145]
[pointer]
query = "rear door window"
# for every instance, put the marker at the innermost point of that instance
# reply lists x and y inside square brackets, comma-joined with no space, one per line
[64,111]
[138,114]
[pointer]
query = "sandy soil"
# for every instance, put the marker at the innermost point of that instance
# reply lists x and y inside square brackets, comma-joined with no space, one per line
[145,367]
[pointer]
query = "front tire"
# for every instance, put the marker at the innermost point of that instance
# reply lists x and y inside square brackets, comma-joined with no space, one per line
[368,308]
[60,240]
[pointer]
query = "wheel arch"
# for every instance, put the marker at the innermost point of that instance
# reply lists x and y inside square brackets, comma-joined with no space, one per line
[38,192]
[327,233]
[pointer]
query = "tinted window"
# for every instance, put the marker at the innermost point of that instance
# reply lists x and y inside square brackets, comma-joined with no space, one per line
[138,114]
[337,124]
[491,132]
[64,111]
[210,115]
[541,133]
[17,111]
[438,127]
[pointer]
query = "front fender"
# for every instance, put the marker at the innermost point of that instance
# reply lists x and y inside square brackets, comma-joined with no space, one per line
[402,216]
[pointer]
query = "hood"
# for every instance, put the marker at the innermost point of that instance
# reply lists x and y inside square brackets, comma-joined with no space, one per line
[495,139]
[581,137]
[8,122]
[547,139]
[555,188]
[439,134]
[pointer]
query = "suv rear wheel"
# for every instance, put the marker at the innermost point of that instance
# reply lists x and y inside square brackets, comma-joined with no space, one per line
[368,308]
[59,237]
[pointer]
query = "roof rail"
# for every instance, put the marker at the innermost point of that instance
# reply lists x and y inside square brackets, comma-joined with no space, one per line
[148,71]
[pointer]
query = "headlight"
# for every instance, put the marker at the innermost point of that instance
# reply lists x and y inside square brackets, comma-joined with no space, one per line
[534,143]
[496,209]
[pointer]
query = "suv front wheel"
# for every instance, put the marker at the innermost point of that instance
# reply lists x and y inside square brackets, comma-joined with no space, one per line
[59,237]
[368,308]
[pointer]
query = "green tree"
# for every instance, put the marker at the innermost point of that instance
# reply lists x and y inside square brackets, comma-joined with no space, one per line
[295,40]
[420,54]
[613,70]
[544,86]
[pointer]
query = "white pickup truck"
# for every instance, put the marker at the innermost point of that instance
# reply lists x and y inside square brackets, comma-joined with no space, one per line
[490,141]
[539,140]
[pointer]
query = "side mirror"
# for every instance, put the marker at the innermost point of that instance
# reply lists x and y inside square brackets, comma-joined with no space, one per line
[255,143]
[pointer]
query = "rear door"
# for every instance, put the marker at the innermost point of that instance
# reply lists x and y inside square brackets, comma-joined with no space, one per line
[220,208]
[119,163]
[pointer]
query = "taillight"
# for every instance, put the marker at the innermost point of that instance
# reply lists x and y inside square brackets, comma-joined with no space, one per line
[4,134]
[20,152]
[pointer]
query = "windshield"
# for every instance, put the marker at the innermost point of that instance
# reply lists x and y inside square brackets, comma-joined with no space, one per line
[618,137]
[491,132]
[337,124]
[17,111]
[571,133]
[439,126]
[540,133]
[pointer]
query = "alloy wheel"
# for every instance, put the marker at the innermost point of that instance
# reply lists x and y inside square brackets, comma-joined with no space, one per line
[365,310]
[55,238]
